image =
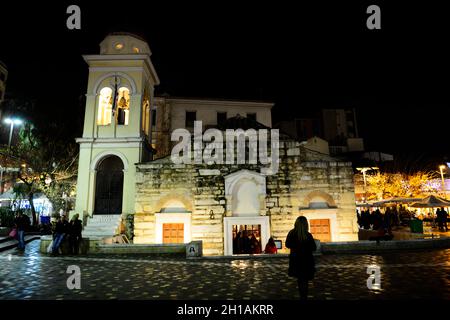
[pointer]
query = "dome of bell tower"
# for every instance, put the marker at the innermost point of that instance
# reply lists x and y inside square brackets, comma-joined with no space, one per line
[124,43]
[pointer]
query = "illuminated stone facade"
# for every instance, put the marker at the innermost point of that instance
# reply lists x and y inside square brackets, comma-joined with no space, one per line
[308,183]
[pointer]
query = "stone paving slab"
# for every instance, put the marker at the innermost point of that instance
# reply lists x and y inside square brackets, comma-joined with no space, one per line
[404,275]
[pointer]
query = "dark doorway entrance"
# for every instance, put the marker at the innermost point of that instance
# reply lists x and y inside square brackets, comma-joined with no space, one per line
[247,239]
[109,186]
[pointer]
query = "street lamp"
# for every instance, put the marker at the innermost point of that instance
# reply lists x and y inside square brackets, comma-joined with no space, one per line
[12,122]
[441,168]
[364,170]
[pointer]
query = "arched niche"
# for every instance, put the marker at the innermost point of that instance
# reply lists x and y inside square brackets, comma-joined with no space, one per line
[318,200]
[245,193]
[173,201]
[173,216]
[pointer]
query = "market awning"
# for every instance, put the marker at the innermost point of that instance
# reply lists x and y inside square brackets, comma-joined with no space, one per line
[364,205]
[431,202]
[395,201]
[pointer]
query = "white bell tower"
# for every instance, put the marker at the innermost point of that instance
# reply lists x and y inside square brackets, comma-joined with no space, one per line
[117,122]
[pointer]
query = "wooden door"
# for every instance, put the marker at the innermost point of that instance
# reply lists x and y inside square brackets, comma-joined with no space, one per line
[109,186]
[320,229]
[173,233]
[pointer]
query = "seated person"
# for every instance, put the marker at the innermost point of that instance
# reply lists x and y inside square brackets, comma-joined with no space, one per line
[271,247]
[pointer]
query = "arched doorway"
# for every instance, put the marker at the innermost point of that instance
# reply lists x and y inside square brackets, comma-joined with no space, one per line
[109,186]
[245,193]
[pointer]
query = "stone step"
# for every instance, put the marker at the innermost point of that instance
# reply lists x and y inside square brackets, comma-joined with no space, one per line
[102,225]
[94,229]
[99,229]
[103,221]
[109,232]
[12,243]
[94,223]
[99,234]
[106,217]
[5,239]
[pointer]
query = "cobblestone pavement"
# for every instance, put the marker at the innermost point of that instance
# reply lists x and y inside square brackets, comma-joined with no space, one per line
[404,275]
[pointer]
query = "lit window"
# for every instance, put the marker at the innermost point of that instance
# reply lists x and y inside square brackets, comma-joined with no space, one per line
[123,106]
[146,116]
[104,107]
[119,46]
[147,120]
[136,50]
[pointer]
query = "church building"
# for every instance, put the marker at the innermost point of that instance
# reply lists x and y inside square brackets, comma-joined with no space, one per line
[128,182]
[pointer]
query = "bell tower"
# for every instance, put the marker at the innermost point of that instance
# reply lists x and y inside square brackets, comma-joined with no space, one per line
[117,121]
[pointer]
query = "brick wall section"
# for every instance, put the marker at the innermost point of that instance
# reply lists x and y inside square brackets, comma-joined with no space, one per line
[301,173]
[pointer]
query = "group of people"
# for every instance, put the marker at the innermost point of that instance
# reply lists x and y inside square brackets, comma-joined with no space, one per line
[246,242]
[392,217]
[376,220]
[61,230]
[441,219]
[67,229]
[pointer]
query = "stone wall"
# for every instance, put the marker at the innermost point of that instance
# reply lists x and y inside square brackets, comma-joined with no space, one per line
[303,175]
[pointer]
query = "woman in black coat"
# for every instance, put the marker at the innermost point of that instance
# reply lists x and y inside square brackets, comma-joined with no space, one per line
[301,260]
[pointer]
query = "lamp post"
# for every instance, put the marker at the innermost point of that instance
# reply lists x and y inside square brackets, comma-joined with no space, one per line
[12,122]
[364,170]
[441,168]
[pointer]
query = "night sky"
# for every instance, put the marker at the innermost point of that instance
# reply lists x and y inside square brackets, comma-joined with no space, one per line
[303,58]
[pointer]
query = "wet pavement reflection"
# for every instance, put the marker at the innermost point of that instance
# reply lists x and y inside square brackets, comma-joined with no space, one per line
[404,275]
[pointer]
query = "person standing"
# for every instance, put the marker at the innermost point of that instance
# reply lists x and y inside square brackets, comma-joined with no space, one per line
[75,228]
[60,232]
[439,219]
[301,260]
[21,222]
[395,217]
[444,219]
[244,243]
[387,223]
[358,218]
[255,246]
[366,219]
[377,218]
